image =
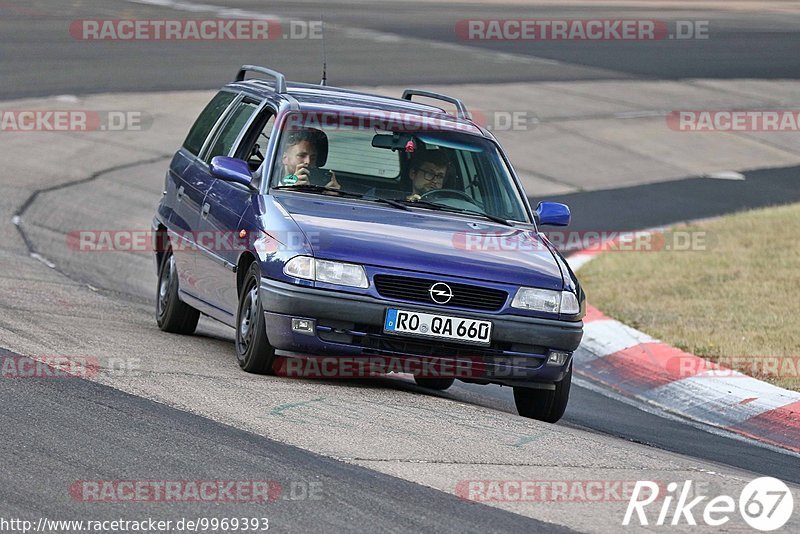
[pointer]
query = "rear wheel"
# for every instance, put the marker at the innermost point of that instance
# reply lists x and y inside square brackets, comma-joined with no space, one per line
[544,404]
[172,314]
[253,351]
[434,383]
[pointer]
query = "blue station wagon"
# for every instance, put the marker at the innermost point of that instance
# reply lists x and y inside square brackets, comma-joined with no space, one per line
[321,222]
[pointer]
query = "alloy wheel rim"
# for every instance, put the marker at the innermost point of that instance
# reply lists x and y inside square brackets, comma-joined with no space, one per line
[163,286]
[247,319]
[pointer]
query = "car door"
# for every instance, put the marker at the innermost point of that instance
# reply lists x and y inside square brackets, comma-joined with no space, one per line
[220,214]
[187,184]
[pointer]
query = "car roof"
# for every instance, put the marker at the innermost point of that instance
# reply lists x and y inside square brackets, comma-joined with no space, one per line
[311,96]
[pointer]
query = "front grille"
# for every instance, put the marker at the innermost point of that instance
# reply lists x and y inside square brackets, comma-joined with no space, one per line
[416,289]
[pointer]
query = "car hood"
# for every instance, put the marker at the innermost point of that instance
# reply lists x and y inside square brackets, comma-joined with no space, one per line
[424,241]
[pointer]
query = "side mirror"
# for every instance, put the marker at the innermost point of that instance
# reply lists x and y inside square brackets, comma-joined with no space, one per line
[231,170]
[552,213]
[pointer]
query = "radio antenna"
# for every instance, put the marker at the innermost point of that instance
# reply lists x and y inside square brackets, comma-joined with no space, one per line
[324,80]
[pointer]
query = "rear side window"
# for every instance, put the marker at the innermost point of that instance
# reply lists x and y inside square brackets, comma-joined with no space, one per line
[206,121]
[352,152]
[230,132]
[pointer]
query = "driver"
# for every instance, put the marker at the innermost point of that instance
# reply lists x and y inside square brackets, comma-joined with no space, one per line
[427,171]
[300,157]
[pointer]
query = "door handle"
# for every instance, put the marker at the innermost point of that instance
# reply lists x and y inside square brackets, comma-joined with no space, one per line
[180,193]
[206,209]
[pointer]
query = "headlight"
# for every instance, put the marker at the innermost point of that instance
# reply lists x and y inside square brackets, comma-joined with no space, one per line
[331,272]
[545,300]
[343,274]
[300,267]
[569,303]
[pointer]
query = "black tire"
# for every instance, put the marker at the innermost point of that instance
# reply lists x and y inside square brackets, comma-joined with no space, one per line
[253,351]
[544,404]
[172,314]
[434,383]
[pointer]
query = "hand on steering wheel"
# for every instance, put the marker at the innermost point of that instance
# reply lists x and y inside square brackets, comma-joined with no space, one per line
[446,193]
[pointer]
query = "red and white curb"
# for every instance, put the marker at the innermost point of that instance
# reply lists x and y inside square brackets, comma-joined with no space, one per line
[635,365]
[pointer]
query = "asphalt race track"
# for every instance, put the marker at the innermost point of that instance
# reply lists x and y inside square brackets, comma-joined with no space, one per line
[418,41]
[179,444]
[664,203]
[387,453]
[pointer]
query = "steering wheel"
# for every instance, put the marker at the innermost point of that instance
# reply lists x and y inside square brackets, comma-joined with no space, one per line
[256,152]
[444,194]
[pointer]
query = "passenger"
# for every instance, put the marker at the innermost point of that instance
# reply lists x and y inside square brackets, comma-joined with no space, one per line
[427,171]
[300,155]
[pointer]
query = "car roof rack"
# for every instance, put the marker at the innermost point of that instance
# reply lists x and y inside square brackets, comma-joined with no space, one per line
[461,109]
[280,79]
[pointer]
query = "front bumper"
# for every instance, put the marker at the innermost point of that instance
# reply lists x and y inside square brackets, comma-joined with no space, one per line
[352,325]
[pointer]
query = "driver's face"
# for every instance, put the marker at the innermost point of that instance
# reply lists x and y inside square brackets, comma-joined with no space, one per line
[428,177]
[300,155]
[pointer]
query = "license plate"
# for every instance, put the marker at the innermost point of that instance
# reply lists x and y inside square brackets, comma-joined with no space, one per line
[437,326]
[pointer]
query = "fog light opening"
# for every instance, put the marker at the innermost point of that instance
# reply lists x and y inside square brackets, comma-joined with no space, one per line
[557,357]
[304,326]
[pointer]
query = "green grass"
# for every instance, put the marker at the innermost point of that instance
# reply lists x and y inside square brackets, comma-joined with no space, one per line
[737,296]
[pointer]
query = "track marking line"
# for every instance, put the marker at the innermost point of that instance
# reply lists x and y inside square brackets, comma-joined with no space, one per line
[377,36]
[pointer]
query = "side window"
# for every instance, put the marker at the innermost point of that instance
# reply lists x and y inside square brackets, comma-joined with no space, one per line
[469,172]
[206,121]
[253,147]
[232,129]
[352,152]
[498,197]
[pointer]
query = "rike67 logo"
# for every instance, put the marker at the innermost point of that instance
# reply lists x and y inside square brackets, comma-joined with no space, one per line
[765,504]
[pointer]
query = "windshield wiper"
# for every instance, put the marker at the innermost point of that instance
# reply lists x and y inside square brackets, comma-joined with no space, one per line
[311,188]
[442,207]
[391,202]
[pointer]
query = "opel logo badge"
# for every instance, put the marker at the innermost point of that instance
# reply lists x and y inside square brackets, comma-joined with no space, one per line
[440,293]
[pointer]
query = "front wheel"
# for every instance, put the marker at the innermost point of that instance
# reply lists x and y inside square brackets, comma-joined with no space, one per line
[544,404]
[172,314]
[253,351]
[434,383]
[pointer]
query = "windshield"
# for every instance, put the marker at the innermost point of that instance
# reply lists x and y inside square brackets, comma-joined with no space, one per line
[425,168]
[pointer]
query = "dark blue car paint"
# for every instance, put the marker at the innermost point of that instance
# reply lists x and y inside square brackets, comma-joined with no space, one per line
[281,225]
[368,233]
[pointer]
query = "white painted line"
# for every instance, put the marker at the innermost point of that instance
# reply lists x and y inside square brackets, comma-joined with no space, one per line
[725,175]
[665,412]
[70,99]
[355,33]
[639,114]
[718,400]
[42,259]
[605,337]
